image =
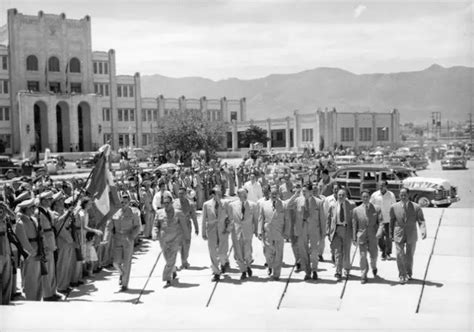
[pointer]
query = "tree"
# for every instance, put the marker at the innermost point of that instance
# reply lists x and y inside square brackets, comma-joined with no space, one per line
[190,131]
[254,134]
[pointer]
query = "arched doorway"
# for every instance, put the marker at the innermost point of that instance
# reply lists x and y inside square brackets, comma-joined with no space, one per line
[40,110]
[85,130]
[64,132]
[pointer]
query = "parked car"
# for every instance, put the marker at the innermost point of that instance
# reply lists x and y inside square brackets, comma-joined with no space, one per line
[342,161]
[424,191]
[87,162]
[454,159]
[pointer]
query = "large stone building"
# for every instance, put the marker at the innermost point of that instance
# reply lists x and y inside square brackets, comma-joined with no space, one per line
[324,128]
[56,93]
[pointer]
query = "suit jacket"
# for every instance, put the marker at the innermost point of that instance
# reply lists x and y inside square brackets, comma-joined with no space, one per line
[403,224]
[272,221]
[332,218]
[244,226]
[366,223]
[211,220]
[316,218]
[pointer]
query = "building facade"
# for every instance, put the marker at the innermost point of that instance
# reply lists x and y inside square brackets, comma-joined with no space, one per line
[56,93]
[324,130]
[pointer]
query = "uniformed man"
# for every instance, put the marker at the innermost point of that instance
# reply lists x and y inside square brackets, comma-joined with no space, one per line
[273,228]
[244,218]
[146,200]
[189,210]
[28,233]
[168,229]
[6,272]
[286,191]
[124,227]
[46,221]
[215,230]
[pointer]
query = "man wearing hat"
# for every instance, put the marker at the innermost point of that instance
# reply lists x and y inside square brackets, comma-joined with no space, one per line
[6,272]
[188,208]
[28,233]
[146,200]
[124,227]
[326,183]
[46,219]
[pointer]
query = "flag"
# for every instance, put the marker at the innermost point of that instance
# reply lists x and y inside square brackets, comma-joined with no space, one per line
[101,187]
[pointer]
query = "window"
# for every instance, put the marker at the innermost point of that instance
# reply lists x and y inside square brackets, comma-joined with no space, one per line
[53,64]
[125,91]
[365,134]
[106,89]
[144,115]
[132,115]
[107,138]
[369,175]
[106,114]
[32,86]
[233,116]
[76,87]
[124,139]
[120,114]
[145,139]
[354,175]
[55,87]
[387,176]
[74,66]
[130,87]
[4,113]
[96,88]
[6,140]
[347,134]
[382,134]
[155,115]
[101,89]
[307,135]
[4,86]
[125,115]
[342,175]
[32,63]
[100,67]
[119,91]
[106,68]
[4,62]
[95,69]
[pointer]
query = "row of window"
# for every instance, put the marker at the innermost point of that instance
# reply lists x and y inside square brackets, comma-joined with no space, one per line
[5,113]
[101,89]
[126,139]
[125,90]
[100,67]
[126,114]
[149,115]
[4,59]
[307,135]
[4,87]
[365,134]
[53,86]
[74,65]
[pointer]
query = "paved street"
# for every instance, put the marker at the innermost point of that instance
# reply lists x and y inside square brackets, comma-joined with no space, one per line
[443,300]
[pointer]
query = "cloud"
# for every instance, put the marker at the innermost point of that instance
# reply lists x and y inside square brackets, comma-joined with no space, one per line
[359,10]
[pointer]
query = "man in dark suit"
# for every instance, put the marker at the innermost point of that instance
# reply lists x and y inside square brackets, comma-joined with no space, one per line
[404,216]
[339,231]
[367,227]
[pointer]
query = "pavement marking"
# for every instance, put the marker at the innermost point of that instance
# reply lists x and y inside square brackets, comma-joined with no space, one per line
[215,284]
[347,279]
[148,279]
[428,264]
[286,286]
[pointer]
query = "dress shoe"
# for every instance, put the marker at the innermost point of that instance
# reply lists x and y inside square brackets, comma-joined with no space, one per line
[223,269]
[307,277]
[374,271]
[266,265]
[384,257]
[321,258]
[123,288]
[58,296]
[274,278]
[270,271]
[80,282]
[243,276]
[363,281]
[168,283]
[249,271]
[64,291]
[216,277]
[185,266]
[338,276]
[346,273]
[51,299]
[315,275]
[175,275]
[403,281]
[298,268]
[409,277]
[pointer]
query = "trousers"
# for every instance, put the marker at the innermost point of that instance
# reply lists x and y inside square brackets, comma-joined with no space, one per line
[385,242]
[371,247]
[273,250]
[170,252]
[32,280]
[308,245]
[218,245]
[6,280]
[49,280]
[123,253]
[405,253]
[341,244]
[242,252]
[64,264]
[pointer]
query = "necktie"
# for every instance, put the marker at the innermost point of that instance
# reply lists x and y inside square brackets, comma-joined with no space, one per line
[306,209]
[341,213]
[217,209]
[243,210]
[274,205]
[162,200]
[405,212]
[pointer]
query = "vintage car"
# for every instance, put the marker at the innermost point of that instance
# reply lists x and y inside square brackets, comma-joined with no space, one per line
[87,162]
[454,159]
[425,191]
[342,161]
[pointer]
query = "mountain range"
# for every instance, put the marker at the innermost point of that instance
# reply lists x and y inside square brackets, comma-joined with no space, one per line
[415,94]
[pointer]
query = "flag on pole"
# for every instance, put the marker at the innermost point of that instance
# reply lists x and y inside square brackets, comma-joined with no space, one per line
[101,187]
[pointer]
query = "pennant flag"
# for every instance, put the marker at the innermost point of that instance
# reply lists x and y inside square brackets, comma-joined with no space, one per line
[101,187]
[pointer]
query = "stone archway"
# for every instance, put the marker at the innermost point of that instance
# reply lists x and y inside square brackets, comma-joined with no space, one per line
[84,126]
[63,129]
[40,110]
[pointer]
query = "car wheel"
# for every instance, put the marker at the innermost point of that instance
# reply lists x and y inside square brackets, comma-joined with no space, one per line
[423,201]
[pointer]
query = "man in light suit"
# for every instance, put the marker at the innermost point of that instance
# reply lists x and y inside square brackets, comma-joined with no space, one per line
[310,227]
[244,218]
[367,227]
[404,216]
[273,228]
[339,230]
[216,229]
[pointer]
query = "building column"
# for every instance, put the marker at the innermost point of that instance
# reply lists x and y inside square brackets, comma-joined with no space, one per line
[138,111]
[243,109]
[296,131]
[287,134]
[113,103]
[374,131]
[269,134]
[73,125]
[52,127]
[356,132]
[234,136]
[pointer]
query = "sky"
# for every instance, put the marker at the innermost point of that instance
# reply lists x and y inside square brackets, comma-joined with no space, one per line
[251,39]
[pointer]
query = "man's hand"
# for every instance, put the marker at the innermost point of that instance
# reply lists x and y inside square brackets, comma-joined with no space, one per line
[196,231]
[260,236]
[204,236]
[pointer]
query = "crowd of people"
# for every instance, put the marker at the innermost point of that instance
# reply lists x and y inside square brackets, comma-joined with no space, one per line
[54,236]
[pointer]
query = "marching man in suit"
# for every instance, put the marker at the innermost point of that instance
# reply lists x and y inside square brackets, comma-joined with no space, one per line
[339,230]
[367,227]
[404,216]
[244,218]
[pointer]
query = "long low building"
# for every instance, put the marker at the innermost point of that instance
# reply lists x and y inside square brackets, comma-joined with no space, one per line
[323,129]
